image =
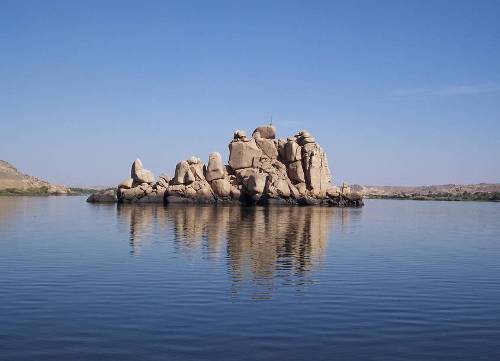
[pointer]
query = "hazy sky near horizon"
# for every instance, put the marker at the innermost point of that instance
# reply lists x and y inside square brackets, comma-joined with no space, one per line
[397,92]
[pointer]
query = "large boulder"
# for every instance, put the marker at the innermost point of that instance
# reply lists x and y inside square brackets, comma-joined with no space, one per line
[183,174]
[265,131]
[221,187]
[268,147]
[196,166]
[277,187]
[215,167]
[136,166]
[316,169]
[235,193]
[292,151]
[255,183]
[198,191]
[242,153]
[144,176]
[205,194]
[164,180]
[108,196]
[176,190]
[301,188]
[129,195]
[153,197]
[281,149]
[127,183]
[304,137]
[296,172]
[242,174]
[139,174]
[294,192]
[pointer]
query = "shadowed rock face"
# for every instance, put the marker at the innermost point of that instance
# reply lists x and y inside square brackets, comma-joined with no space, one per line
[260,170]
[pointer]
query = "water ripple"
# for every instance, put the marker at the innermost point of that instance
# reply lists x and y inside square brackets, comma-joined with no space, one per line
[392,281]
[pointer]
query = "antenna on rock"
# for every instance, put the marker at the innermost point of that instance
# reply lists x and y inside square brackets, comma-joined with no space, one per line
[271,123]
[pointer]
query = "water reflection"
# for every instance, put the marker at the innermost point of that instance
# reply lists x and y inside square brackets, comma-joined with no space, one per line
[259,243]
[9,208]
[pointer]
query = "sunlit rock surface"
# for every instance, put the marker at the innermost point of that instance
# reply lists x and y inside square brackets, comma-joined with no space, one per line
[261,170]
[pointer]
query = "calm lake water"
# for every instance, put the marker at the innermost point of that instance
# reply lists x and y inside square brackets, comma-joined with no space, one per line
[396,280]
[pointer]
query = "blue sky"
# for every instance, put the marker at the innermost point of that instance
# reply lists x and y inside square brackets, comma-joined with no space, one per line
[397,92]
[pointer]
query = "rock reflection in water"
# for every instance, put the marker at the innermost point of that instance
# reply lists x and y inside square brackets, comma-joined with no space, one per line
[259,243]
[143,223]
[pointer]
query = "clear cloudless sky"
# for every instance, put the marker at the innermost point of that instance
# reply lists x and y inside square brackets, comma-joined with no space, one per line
[397,92]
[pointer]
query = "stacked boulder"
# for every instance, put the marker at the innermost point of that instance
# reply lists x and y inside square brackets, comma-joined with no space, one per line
[106,196]
[261,170]
[189,183]
[223,186]
[307,165]
[141,186]
[255,170]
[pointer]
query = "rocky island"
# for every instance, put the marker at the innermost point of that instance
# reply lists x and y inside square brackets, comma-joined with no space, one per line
[261,170]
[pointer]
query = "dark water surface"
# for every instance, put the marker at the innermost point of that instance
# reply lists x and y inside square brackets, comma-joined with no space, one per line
[396,280]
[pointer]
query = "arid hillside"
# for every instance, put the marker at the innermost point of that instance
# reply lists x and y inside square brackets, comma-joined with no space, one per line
[14,182]
[458,192]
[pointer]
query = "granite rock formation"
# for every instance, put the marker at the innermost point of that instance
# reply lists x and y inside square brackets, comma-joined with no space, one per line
[261,170]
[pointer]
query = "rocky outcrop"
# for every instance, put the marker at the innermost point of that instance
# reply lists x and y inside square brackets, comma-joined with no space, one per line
[265,131]
[189,184]
[139,174]
[141,187]
[243,151]
[108,196]
[261,170]
[215,168]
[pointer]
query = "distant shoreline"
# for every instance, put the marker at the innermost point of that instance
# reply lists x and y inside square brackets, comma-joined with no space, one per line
[443,196]
[479,198]
[45,192]
[15,183]
[483,192]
